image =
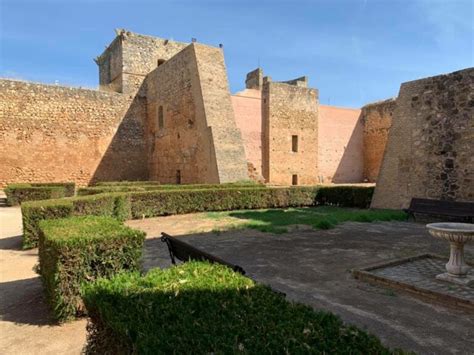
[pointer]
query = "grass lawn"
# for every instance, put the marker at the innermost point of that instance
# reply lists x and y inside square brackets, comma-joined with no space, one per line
[324,217]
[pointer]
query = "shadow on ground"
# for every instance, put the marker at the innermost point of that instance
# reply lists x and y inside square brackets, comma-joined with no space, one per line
[11,243]
[313,267]
[22,301]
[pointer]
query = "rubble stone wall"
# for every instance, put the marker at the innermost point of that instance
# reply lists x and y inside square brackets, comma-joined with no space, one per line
[430,148]
[51,133]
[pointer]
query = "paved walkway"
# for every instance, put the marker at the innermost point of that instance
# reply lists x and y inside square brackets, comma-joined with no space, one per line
[313,267]
[309,266]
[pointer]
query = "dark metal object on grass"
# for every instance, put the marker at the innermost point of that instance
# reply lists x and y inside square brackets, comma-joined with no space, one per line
[184,252]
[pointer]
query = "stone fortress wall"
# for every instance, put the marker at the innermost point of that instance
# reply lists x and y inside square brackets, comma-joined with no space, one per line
[289,134]
[54,133]
[130,57]
[376,120]
[340,149]
[191,129]
[430,149]
[164,112]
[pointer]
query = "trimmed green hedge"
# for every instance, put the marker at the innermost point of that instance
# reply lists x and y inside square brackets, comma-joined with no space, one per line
[34,212]
[80,249]
[18,193]
[157,187]
[208,309]
[159,203]
[345,196]
[126,183]
[111,205]
[167,202]
[69,187]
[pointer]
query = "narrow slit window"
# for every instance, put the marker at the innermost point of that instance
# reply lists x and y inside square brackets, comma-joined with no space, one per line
[161,122]
[294,143]
[294,179]
[178,177]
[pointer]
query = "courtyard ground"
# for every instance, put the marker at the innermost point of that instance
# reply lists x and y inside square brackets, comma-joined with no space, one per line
[311,266]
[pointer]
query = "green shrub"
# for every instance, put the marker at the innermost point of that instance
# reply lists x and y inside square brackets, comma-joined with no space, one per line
[16,194]
[209,309]
[154,203]
[95,190]
[111,205]
[95,205]
[77,250]
[35,211]
[69,187]
[117,187]
[345,196]
[126,183]
[159,203]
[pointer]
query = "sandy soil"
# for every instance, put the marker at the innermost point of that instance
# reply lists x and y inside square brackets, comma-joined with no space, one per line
[25,325]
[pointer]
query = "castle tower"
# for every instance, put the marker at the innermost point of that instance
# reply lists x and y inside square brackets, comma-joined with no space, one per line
[130,57]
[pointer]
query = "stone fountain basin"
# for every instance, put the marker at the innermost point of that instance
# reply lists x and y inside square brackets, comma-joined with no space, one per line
[453,232]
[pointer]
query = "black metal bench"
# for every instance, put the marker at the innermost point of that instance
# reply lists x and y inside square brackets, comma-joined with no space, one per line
[437,209]
[185,252]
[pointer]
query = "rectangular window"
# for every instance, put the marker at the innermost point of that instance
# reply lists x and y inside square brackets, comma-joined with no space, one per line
[294,143]
[294,179]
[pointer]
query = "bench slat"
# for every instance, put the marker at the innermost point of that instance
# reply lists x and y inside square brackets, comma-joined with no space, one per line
[464,210]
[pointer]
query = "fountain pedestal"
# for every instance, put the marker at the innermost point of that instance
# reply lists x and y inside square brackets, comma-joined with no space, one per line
[457,234]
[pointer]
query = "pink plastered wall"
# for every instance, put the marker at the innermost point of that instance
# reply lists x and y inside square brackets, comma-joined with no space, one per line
[340,143]
[247,106]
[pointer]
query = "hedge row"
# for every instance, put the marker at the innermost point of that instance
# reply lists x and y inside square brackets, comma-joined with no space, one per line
[156,187]
[345,196]
[109,205]
[167,202]
[80,249]
[141,183]
[208,309]
[18,193]
[159,203]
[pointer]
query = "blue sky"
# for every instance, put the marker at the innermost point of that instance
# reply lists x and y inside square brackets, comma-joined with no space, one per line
[354,51]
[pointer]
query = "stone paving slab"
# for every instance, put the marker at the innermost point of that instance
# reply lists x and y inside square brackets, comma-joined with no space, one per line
[417,275]
[314,267]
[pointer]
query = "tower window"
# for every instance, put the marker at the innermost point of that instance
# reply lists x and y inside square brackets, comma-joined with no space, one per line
[160,61]
[161,122]
[294,143]
[294,179]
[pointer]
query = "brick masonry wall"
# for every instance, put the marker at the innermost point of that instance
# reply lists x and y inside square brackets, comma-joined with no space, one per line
[199,138]
[289,110]
[377,120]
[340,148]
[430,149]
[52,133]
[247,106]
